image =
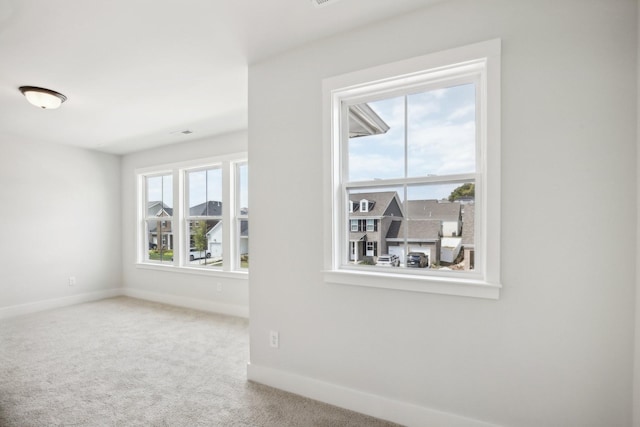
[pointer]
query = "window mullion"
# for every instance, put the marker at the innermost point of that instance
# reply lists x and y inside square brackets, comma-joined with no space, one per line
[442,179]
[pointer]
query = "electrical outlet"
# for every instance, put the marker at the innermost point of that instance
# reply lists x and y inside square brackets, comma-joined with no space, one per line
[72,281]
[274,339]
[219,287]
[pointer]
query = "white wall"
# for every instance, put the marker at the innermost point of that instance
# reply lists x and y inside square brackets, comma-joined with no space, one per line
[193,290]
[60,217]
[557,348]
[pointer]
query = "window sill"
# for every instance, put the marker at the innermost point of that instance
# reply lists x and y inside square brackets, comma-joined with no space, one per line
[435,285]
[240,275]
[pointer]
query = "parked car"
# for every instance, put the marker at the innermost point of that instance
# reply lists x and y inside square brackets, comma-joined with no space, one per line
[417,259]
[196,254]
[388,260]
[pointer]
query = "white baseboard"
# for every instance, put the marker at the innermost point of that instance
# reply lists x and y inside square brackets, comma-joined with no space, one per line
[196,304]
[33,307]
[376,406]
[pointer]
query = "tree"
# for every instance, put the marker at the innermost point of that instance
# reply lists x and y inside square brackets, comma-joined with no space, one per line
[465,190]
[200,238]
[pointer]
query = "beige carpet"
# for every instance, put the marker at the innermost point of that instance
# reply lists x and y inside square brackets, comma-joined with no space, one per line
[126,362]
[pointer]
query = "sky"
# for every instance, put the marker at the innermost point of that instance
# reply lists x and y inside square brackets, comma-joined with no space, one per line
[160,188]
[440,140]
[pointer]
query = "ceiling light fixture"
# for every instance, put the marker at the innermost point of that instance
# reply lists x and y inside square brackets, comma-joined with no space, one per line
[319,3]
[43,98]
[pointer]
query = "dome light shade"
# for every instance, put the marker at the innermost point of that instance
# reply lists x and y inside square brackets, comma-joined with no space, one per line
[43,98]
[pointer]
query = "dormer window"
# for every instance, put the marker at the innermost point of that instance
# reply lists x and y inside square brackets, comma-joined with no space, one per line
[351,206]
[364,205]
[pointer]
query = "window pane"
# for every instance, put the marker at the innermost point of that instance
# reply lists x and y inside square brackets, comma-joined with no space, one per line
[160,241]
[373,152]
[244,243]
[205,243]
[368,231]
[243,189]
[205,192]
[441,134]
[160,195]
[440,221]
[432,228]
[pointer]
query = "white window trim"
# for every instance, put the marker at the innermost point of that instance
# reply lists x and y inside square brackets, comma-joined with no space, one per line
[228,163]
[483,283]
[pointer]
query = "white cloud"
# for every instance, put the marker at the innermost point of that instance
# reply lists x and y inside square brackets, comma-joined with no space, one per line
[372,165]
[440,136]
[467,111]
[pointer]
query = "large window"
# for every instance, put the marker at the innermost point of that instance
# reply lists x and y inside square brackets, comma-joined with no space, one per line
[195,215]
[414,157]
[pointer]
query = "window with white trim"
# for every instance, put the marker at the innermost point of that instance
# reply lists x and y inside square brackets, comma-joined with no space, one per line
[158,217]
[194,215]
[428,172]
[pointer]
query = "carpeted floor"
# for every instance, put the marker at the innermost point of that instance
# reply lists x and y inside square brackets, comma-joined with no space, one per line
[126,362]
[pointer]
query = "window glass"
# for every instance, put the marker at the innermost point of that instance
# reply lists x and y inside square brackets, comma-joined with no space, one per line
[243,246]
[381,155]
[210,230]
[205,192]
[159,212]
[243,187]
[205,243]
[441,134]
[242,212]
[430,136]
[159,237]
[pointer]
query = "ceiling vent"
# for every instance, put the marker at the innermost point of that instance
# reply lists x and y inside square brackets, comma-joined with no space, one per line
[319,3]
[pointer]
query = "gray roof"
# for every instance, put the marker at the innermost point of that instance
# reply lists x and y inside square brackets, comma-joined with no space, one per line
[381,201]
[417,230]
[468,228]
[155,208]
[210,208]
[357,236]
[434,209]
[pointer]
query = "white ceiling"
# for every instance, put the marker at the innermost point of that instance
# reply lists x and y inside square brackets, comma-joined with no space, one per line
[138,72]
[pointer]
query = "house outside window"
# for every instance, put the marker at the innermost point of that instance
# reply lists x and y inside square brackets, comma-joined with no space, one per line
[157,208]
[203,217]
[242,214]
[435,150]
[194,215]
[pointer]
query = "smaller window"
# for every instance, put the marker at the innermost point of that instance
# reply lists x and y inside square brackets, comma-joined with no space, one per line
[371,225]
[364,205]
[354,225]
